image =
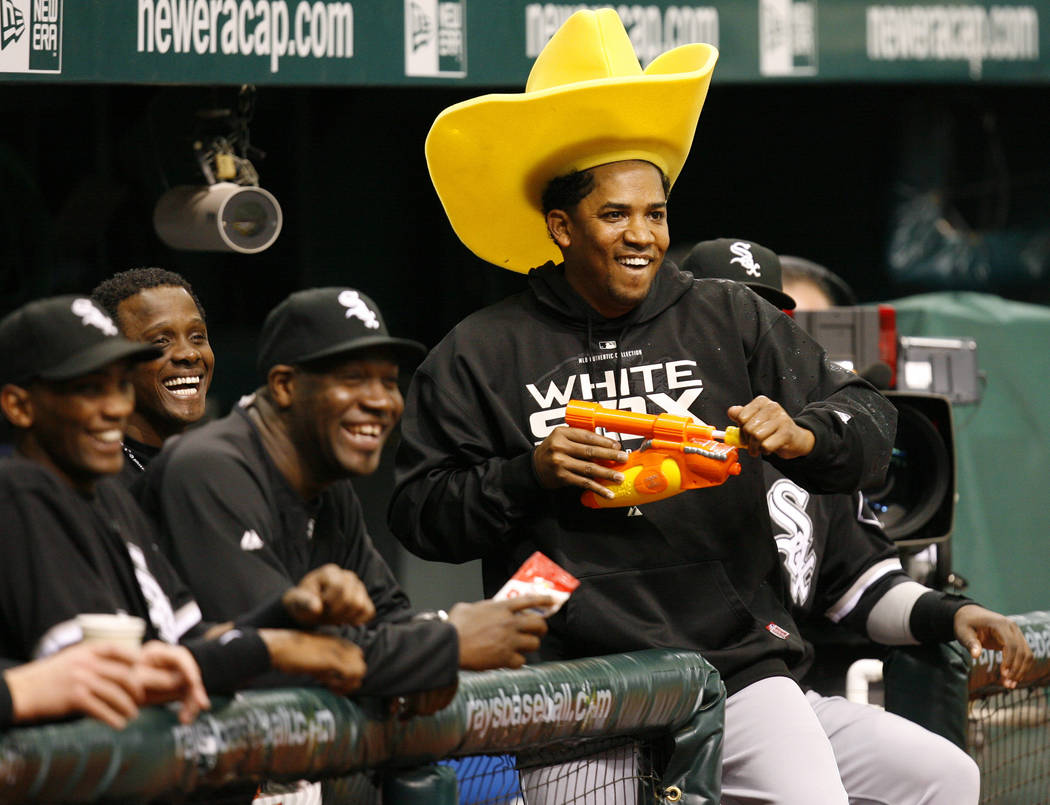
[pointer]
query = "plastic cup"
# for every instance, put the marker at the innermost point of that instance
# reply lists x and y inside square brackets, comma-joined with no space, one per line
[126,630]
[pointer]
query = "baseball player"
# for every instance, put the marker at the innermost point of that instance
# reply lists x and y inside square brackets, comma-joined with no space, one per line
[579,167]
[839,564]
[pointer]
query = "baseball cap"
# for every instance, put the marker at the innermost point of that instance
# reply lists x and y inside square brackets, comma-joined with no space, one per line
[62,337]
[322,322]
[742,260]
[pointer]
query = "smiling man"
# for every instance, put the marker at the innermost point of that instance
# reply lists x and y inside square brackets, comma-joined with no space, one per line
[159,308]
[579,166]
[262,496]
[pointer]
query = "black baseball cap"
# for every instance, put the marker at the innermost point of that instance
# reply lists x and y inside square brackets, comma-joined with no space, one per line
[60,338]
[742,260]
[323,322]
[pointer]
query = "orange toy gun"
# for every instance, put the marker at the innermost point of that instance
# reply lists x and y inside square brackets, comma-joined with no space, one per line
[677,454]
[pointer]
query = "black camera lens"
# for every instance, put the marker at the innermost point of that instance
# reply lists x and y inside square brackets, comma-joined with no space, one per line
[919,484]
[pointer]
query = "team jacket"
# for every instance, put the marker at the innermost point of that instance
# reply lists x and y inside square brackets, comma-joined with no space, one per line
[839,564]
[238,534]
[64,553]
[698,570]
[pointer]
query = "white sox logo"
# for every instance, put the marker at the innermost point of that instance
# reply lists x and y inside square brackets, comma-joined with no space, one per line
[746,260]
[671,386]
[787,509]
[356,307]
[90,314]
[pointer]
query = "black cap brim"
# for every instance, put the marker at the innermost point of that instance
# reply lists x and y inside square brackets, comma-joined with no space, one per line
[778,298]
[407,352]
[99,355]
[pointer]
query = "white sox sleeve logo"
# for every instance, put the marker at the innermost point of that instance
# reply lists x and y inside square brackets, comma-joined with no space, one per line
[787,509]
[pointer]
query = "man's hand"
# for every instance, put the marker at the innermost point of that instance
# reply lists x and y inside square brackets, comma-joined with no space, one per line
[765,427]
[95,679]
[334,661]
[329,595]
[977,628]
[568,456]
[170,673]
[498,634]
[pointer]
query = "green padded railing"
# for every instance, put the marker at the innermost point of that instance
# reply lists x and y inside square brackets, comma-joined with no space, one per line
[310,733]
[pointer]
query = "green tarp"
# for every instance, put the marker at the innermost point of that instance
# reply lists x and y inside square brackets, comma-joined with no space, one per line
[1002,523]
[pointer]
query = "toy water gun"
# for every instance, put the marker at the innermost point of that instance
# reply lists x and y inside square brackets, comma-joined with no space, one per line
[677,454]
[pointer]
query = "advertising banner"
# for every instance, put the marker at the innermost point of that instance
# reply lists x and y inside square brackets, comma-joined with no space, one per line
[480,42]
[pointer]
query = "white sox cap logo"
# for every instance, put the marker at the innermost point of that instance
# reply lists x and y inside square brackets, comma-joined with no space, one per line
[90,314]
[744,257]
[355,306]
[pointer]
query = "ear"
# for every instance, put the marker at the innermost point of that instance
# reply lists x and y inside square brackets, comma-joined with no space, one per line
[281,382]
[559,225]
[16,405]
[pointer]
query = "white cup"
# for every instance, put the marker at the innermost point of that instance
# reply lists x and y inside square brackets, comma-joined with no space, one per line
[127,630]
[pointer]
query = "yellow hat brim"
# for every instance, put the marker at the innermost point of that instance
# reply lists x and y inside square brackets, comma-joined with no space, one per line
[491,157]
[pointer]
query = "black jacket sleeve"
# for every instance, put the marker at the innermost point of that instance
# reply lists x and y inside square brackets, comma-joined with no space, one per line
[454,499]
[229,661]
[852,422]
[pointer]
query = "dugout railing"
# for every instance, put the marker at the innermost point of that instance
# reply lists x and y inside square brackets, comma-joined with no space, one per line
[671,700]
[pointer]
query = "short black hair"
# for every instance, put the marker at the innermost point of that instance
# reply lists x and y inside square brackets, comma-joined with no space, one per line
[109,293]
[836,289]
[566,191]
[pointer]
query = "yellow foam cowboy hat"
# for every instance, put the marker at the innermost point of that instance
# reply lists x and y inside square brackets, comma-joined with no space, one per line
[587,102]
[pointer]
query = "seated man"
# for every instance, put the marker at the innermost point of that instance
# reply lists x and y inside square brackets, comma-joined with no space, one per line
[159,308]
[76,542]
[840,564]
[276,500]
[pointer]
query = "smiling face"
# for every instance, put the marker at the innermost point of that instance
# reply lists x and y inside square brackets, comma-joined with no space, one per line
[76,426]
[614,240]
[343,412]
[171,390]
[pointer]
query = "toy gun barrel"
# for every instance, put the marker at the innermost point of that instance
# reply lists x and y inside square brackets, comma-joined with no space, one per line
[667,427]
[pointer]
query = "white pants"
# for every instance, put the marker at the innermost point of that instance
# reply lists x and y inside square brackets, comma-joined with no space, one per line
[884,759]
[784,747]
[775,751]
[779,743]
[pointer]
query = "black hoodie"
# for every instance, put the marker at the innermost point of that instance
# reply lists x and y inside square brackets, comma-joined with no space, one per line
[696,571]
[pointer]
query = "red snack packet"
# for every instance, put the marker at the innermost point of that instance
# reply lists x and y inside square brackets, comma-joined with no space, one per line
[540,575]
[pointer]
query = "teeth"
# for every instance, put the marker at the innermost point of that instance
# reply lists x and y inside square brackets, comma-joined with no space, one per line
[183,386]
[635,261]
[365,430]
[110,436]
